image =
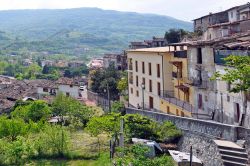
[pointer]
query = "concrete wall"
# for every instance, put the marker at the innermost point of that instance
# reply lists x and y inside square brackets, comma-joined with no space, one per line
[208,128]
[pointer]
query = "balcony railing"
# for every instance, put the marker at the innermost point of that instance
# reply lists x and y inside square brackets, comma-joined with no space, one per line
[169,96]
[180,54]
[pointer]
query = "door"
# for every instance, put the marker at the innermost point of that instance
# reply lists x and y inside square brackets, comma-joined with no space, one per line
[151,102]
[236,112]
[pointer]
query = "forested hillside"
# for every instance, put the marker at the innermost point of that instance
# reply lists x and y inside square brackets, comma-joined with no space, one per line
[79,32]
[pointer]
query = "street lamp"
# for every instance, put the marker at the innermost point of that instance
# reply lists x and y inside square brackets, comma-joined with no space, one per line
[143,88]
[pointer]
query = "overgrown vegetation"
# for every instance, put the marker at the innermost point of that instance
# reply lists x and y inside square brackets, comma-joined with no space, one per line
[81,133]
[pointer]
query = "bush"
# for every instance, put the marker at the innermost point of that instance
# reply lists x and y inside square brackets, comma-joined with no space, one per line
[137,126]
[169,133]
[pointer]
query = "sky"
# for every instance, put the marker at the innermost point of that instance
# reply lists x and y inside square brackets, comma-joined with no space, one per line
[181,9]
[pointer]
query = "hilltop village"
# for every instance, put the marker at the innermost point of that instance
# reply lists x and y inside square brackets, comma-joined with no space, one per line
[179,82]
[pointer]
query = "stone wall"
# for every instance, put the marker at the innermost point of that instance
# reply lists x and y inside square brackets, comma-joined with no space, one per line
[208,128]
[203,148]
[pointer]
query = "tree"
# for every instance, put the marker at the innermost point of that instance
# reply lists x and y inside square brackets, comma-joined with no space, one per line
[237,74]
[35,111]
[137,126]
[68,106]
[11,128]
[175,35]
[102,78]
[117,107]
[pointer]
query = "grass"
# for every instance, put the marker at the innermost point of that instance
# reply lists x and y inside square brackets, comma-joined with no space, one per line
[84,151]
[103,160]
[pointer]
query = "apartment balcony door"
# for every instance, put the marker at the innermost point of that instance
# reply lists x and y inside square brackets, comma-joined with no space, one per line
[151,102]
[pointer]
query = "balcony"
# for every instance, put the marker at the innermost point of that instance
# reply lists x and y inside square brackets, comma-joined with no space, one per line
[180,54]
[169,97]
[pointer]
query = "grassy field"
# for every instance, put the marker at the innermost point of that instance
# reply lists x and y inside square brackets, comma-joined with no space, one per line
[103,160]
[84,150]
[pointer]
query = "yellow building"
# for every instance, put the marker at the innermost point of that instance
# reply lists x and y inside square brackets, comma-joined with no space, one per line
[179,100]
[157,79]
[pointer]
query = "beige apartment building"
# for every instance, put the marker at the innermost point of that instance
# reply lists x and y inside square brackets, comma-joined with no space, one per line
[151,73]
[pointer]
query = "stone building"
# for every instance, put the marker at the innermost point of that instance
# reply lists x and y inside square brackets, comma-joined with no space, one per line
[155,42]
[227,17]
[118,60]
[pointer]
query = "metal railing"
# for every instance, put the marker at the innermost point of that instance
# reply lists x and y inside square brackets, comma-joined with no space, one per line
[169,96]
[180,54]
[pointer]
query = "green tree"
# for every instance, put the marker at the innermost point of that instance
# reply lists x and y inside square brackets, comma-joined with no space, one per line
[237,74]
[137,126]
[117,107]
[11,128]
[175,35]
[35,111]
[68,106]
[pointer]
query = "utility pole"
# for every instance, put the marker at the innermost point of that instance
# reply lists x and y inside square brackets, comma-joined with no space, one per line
[143,88]
[121,142]
[221,100]
[109,106]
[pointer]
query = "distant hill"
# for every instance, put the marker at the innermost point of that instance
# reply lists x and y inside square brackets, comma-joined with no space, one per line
[73,30]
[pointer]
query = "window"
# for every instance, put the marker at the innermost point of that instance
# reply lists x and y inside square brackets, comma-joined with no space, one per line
[200,102]
[206,98]
[182,114]
[131,90]
[150,85]
[45,89]
[143,67]
[151,102]
[168,110]
[228,86]
[232,14]
[237,112]
[159,88]
[136,66]
[137,93]
[137,82]
[67,94]
[71,86]
[158,71]
[199,55]
[177,112]
[228,98]
[149,69]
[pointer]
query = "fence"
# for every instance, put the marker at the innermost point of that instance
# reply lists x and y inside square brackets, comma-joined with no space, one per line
[99,100]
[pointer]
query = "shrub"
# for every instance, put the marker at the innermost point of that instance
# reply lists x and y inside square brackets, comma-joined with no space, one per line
[169,133]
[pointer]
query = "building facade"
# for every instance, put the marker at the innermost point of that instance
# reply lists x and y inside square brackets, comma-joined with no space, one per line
[154,79]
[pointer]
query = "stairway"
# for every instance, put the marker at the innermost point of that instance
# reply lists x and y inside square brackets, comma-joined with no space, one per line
[231,153]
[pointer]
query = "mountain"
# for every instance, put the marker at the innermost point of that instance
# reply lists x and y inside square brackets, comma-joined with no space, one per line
[73,30]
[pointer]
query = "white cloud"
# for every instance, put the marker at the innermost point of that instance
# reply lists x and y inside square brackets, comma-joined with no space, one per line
[182,9]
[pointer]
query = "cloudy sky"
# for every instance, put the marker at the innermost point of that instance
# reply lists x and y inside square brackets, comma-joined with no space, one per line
[181,9]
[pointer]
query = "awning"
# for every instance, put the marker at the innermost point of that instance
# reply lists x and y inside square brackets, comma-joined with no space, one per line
[183,88]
